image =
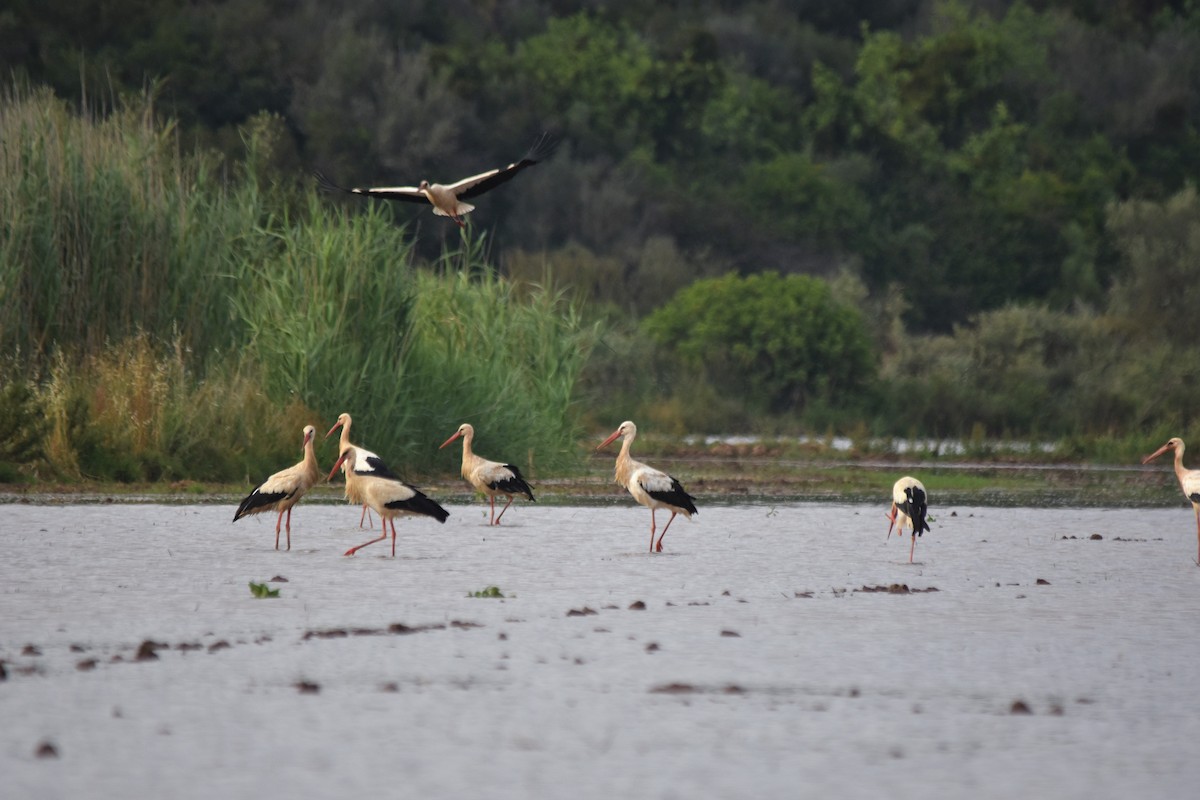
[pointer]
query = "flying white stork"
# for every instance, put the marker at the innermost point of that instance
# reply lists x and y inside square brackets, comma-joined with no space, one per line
[448,199]
[284,489]
[388,495]
[365,463]
[910,504]
[650,487]
[489,477]
[1189,480]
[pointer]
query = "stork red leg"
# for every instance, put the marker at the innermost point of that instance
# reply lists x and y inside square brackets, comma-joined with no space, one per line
[355,549]
[653,528]
[278,521]
[912,548]
[891,515]
[393,535]
[1197,509]
[664,533]
[289,528]
[492,505]
[506,505]
[367,516]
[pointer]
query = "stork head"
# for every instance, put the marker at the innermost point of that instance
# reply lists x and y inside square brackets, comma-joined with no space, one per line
[346,456]
[1174,443]
[465,430]
[309,434]
[423,185]
[626,429]
[343,419]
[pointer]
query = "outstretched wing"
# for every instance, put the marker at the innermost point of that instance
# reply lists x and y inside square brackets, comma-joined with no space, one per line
[485,181]
[410,194]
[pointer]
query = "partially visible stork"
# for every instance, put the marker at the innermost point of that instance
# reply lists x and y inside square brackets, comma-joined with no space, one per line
[648,486]
[388,495]
[910,504]
[365,462]
[1189,480]
[489,477]
[284,489]
[447,199]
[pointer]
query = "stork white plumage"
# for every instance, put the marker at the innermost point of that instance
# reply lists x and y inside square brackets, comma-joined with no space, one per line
[489,477]
[284,489]
[1189,480]
[389,496]
[448,199]
[910,504]
[648,486]
[365,462]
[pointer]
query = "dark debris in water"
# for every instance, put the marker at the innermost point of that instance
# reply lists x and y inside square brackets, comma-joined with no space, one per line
[581,612]
[395,629]
[691,688]
[896,588]
[147,650]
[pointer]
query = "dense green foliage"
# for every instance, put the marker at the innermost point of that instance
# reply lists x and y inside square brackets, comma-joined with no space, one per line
[1002,188]
[780,340]
[192,335]
[963,150]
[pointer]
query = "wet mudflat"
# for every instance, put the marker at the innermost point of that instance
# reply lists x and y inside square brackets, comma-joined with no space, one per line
[772,651]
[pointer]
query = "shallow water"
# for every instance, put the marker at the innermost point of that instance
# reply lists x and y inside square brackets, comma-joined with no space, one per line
[730,683]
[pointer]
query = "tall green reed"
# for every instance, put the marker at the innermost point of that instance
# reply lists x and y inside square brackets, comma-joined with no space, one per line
[107,229]
[244,299]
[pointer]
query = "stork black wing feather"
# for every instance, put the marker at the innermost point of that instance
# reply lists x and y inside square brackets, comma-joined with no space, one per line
[542,149]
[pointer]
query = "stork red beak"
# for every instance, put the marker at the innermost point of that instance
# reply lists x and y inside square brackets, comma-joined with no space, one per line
[609,440]
[308,437]
[336,425]
[1157,453]
[337,465]
[451,439]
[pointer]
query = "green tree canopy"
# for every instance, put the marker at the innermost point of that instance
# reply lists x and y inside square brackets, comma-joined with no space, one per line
[782,341]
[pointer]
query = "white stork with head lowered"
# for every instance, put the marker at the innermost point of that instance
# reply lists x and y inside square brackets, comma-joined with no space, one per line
[489,477]
[910,505]
[284,489]
[447,199]
[650,487]
[365,462]
[387,494]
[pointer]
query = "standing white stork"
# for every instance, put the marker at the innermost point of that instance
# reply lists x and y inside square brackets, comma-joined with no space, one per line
[489,477]
[650,487]
[365,462]
[1189,480]
[284,489]
[388,495]
[447,199]
[910,504]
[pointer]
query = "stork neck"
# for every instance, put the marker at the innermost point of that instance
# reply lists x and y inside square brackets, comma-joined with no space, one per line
[1180,471]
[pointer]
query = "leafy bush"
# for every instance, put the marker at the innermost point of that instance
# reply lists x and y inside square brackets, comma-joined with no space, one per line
[782,341]
[22,426]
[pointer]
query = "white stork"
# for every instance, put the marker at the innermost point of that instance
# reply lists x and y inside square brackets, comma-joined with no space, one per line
[489,477]
[284,489]
[1189,480]
[650,487]
[365,462]
[388,495]
[447,199]
[910,504]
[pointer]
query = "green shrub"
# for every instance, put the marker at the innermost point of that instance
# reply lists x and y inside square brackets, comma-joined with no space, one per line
[782,341]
